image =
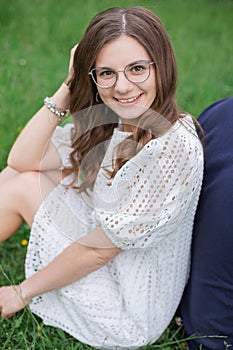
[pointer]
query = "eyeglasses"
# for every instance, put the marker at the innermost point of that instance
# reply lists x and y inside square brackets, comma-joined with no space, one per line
[135,72]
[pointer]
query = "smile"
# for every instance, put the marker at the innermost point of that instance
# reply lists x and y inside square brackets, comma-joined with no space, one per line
[128,100]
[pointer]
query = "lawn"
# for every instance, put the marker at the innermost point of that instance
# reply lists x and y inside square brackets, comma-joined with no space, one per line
[35,40]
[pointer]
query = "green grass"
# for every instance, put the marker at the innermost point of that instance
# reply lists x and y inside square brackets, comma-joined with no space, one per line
[35,40]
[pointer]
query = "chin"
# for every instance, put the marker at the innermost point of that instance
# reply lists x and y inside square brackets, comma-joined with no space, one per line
[128,112]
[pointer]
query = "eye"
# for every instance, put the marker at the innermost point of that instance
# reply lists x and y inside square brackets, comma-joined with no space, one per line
[138,69]
[105,73]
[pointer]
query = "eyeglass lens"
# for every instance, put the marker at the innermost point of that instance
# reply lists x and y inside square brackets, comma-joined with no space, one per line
[136,72]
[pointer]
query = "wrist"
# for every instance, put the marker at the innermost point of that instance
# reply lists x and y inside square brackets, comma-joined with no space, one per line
[62,97]
[37,284]
[58,104]
[28,290]
[60,113]
[23,294]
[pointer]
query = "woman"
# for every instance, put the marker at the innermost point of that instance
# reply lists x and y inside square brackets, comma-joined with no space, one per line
[111,200]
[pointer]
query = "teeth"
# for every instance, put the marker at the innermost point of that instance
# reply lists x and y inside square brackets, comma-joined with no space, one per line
[129,99]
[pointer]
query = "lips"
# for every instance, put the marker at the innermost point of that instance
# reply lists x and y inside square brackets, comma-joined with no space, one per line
[128,100]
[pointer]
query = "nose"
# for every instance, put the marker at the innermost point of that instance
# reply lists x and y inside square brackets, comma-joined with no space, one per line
[123,85]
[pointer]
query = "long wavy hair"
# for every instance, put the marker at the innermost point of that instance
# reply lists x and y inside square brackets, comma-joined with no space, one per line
[94,122]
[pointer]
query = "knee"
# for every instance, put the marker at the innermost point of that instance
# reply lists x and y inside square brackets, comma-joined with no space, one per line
[7,174]
[27,182]
[11,181]
[35,183]
[29,177]
[27,186]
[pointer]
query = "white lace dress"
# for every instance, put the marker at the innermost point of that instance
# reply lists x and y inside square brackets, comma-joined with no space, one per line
[148,212]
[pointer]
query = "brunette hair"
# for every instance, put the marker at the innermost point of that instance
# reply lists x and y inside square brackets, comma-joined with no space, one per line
[93,126]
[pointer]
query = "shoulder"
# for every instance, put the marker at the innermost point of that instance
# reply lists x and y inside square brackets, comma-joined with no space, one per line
[217,123]
[218,111]
[181,133]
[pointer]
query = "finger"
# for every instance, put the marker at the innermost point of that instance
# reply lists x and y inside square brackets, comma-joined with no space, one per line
[74,47]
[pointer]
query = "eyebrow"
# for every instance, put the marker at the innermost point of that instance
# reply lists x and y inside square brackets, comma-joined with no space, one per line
[129,64]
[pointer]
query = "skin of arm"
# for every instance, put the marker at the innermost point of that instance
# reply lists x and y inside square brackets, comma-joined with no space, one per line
[32,150]
[75,262]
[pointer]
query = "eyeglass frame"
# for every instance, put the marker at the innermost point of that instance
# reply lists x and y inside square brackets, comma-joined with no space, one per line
[91,73]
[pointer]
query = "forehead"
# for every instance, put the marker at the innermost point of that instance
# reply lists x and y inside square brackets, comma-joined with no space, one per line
[120,52]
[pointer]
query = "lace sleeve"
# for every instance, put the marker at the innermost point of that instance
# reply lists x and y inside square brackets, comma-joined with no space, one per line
[61,139]
[151,193]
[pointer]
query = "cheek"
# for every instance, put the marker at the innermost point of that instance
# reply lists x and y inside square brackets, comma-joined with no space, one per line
[153,88]
[104,94]
[153,95]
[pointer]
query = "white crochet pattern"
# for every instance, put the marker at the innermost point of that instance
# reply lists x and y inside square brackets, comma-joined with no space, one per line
[148,212]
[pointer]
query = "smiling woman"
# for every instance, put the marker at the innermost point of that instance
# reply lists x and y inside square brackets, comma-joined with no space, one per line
[134,86]
[111,197]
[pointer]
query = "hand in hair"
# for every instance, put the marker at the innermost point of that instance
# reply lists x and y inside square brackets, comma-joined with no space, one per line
[70,71]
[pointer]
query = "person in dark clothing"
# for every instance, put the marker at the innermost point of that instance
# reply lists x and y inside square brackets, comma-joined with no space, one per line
[207,304]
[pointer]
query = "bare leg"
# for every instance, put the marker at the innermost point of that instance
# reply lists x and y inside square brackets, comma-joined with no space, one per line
[11,222]
[7,174]
[20,197]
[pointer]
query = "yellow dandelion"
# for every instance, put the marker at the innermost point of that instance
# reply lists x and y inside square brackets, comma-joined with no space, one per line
[183,344]
[24,242]
[38,335]
[38,327]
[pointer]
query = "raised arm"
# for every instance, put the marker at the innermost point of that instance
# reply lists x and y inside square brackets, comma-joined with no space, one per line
[32,149]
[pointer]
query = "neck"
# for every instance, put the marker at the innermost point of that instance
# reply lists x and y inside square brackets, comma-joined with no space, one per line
[128,125]
[127,128]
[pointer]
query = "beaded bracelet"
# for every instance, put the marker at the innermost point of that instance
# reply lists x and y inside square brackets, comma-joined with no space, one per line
[59,112]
